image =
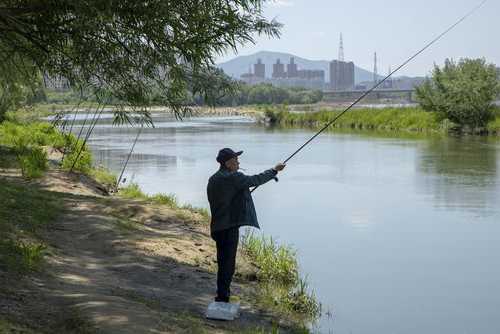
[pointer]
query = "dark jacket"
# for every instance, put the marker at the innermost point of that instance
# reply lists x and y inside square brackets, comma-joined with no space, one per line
[231,203]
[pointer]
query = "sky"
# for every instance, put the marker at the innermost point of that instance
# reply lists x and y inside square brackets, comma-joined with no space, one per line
[395,29]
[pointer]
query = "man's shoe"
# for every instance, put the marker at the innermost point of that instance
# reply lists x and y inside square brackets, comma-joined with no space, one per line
[222,299]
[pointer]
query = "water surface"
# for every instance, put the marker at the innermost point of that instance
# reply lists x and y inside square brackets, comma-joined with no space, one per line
[396,235]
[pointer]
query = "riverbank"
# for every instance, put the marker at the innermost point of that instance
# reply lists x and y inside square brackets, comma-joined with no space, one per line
[411,119]
[76,260]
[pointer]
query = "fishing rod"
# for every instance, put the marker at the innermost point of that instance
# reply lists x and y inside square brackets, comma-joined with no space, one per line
[92,125]
[129,154]
[382,81]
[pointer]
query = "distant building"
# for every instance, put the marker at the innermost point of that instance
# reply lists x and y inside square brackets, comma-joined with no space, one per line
[341,75]
[252,78]
[291,69]
[293,77]
[259,69]
[278,70]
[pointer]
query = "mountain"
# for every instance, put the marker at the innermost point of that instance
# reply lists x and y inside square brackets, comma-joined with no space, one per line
[239,65]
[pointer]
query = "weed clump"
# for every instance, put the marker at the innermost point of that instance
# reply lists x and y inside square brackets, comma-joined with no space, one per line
[281,286]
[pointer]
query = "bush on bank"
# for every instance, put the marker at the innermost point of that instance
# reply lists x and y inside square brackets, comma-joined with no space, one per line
[463,92]
[30,141]
[410,119]
[388,119]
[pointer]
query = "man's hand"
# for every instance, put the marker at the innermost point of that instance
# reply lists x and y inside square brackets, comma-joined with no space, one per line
[279,167]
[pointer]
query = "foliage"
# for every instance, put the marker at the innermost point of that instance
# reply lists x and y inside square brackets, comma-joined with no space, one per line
[78,157]
[407,119]
[269,94]
[136,52]
[18,86]
[494,124]
[33,162]
[281,287]
[463,92]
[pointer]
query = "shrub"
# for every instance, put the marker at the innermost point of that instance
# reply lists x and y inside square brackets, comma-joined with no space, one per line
[33,162]
[82,156]
[462,92]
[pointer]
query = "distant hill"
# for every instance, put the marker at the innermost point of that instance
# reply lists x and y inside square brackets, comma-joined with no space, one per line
[239,65]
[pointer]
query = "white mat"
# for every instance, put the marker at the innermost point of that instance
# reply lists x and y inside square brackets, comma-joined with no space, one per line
[223,311]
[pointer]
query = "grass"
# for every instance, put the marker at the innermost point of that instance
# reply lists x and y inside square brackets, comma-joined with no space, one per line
[7,326]
[29,142]
[104,177]
[393,119]
[133,191]
[281,287]
[412,119]
[25,210]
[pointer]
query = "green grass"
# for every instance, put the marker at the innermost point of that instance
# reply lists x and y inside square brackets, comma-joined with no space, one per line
[104,177]
[281,288]
[28,141]
[25,210]
[276,262]
[133,191]
[33,162]
[412,119]
[494,125]
[8,158]
[393,119]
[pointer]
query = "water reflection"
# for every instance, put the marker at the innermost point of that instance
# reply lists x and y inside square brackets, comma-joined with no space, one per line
[460,173]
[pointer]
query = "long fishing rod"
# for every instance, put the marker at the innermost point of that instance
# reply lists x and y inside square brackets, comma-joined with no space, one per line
[87,136]
[382,81]
[129,155]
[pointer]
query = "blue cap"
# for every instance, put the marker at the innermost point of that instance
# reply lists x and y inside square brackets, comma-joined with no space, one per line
[226,154]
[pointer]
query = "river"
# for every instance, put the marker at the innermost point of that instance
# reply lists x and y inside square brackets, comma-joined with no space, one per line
[395,234]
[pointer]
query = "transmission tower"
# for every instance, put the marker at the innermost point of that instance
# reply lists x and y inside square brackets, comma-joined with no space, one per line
[341,49]
[389,81]
[375,73]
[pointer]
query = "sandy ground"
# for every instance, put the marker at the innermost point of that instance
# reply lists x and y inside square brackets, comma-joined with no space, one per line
[121,266]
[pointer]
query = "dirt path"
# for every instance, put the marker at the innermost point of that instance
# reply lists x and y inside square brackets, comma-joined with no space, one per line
[127,267]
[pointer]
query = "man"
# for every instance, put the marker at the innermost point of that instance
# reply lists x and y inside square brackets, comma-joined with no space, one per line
[231,206]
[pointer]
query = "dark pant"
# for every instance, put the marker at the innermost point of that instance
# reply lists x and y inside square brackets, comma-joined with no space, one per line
[227,245]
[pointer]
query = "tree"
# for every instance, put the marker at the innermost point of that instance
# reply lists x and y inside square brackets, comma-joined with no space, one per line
[462,92]
[129,50]
[19,87]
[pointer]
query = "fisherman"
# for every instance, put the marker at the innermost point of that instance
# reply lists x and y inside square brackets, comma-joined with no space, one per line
[231,206]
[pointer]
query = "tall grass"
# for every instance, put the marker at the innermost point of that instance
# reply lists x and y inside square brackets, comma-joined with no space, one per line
[394,119]
[281,286]
[275,262]
[29,142]
[412,119]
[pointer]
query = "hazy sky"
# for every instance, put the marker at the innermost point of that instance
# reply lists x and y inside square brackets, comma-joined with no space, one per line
[395,29]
